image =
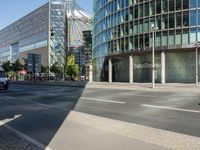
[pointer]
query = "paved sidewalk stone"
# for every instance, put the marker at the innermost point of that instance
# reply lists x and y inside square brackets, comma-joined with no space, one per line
[11,141]
[118,85]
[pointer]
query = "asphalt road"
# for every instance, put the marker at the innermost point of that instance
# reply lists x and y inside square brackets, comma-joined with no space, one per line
[39,111]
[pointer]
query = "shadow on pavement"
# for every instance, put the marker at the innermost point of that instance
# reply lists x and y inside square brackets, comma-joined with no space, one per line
[37,111]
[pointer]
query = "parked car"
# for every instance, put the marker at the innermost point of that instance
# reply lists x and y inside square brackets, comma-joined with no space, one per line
[4,82]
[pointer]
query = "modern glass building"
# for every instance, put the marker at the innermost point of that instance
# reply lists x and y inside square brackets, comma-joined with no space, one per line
[43,31]
[50,30]
[123,40]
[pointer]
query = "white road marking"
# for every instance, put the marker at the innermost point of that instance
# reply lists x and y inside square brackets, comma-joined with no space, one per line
[31,140]
[97,99]
[171,108]
[102,100]
[133,94]
[10,119]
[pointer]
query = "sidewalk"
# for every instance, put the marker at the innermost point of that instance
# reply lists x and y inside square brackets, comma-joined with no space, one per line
[118,85]
[82,131]
[76,134]
[82,137]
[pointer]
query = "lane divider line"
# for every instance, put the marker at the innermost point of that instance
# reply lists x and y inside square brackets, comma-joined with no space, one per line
[102,100]
[171,108]
[139,95]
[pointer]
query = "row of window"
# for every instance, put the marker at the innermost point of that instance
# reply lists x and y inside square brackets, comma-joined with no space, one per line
[144,9]
[165,39]
[25,29]
[165,21]
[33,46]
[39,13]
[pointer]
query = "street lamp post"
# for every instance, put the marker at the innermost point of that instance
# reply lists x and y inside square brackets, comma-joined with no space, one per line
[197,64]
[153,54]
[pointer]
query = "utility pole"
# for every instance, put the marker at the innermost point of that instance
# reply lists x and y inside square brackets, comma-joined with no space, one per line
[33,57]
[197,64]
[153,55]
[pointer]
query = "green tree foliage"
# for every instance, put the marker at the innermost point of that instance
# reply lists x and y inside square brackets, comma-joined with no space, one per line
[55,69]
[44,69]
[7,66]
[17,66]
[72,69]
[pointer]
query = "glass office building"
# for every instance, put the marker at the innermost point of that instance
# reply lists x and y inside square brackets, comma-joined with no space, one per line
[49,30]
[43,31]
[123,40]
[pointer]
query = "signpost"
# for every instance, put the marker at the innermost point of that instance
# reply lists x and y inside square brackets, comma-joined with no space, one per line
[34,64]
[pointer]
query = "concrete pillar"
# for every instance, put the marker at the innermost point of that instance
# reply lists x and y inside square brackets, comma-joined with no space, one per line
[110,70]
[131,68]
[90,73]
[162,67]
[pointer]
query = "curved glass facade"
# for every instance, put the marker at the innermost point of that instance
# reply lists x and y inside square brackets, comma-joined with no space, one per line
[124,27]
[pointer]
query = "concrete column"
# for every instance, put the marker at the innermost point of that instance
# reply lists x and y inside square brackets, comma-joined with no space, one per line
[162,67]
[131,68]
[110,69]
[90,73]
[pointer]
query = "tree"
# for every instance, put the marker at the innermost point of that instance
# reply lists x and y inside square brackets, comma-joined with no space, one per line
[24,65]
[7,66]
[17,66]
[71,68]
[55,69]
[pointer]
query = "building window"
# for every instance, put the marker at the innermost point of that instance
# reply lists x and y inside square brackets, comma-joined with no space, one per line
[146,9]
[193,18]
[141,10]
[164,38]
[178,5]
[171,5]
[178,20]
[152,8]
[185,19]
[178,37]
[185,36]
[198,17]
[171,20]
[164,6]
[193,36]
[146,40]
[158,6]
[185,4]
[165,22]
[171,38]
[198,34]
[193,3]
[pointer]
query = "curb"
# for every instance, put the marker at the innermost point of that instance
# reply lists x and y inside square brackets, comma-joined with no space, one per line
[47,84]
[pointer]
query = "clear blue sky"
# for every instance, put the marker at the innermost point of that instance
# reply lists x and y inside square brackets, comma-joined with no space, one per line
[12,10]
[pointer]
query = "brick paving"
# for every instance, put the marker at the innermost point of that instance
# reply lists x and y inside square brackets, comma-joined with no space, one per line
[11,141]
